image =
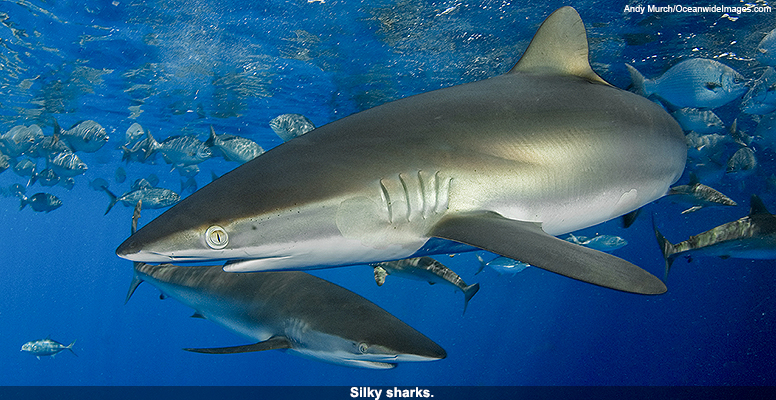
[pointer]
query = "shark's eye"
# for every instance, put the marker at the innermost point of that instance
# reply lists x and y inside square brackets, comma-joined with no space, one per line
[363,347]
[216,237]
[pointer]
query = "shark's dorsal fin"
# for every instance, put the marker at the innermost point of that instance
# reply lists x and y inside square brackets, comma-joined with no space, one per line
[273,343]
[559,47]
[757,206]
[694,180]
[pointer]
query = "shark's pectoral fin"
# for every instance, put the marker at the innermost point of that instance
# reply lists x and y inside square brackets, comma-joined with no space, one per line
[273,343]
[527,242]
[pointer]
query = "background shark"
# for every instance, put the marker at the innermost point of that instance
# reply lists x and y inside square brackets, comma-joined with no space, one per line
[292,311]
[501,164]
[753,236]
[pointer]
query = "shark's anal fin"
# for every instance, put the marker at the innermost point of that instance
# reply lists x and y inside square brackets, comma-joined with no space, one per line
[527,242]
[559,47]
[273,343]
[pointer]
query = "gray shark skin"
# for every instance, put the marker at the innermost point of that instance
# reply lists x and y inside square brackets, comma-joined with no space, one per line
[292,311]
[501,164]
[751,237]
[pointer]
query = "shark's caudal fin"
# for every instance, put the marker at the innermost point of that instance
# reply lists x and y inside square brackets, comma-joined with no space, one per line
[559,47]
[666,248]
[527,242]
[468,293]
[273,343]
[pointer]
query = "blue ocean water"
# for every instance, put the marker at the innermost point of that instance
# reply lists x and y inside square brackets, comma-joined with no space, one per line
[178,67]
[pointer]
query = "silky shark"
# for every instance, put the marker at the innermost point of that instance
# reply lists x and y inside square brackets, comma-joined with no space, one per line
[502,164]
[292,311]
[752,237]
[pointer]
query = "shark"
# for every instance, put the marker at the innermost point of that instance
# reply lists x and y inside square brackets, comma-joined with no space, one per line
[751,237]
[503,164]
[291,311]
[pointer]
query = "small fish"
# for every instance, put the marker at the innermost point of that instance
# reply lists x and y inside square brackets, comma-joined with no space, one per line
[742,163]
[142,151]
[182,151]
[46,347]
[5,162]
[87,136]
[699,195]
[152,198]
[605,243]
[67,182]
[234,148]
[99,184]
[705,146]
[24,168]
[502,265]
[289,126]
[424,269]
[41,202]
[47,146]
[15,190]
[46,177]
[766,50]
[67,164]
[698,83]
[19,139]
[751,237]
[121,175]
[189,171]
[761,98]
[701,121]
[188,186]
[133,133]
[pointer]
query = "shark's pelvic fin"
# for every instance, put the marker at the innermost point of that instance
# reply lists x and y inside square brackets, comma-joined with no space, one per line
[527,242]
[273,343]
[559,47]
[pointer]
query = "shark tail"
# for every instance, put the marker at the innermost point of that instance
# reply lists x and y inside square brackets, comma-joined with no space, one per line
[70,347]
[468,293]
[153,146]
[212,139]
[667,248]
[113,199]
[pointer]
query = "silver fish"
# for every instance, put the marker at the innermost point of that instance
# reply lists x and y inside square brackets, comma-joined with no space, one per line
[19,139]
[761,98]
[152,197]
[67,164]
[87,136]
[289,126]
[181,151]
[700,121]
[46,347]
[604,243]
[234,148]
[502,265]
[766,50]
[41,202]
[697,82]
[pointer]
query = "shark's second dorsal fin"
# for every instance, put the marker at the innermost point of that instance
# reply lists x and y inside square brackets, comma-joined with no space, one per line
[559,47]
[757,206]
